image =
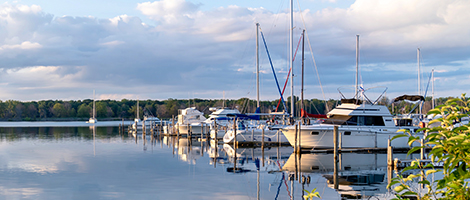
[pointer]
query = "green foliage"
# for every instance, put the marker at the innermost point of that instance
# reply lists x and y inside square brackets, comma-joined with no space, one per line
[312,194]
[450,145]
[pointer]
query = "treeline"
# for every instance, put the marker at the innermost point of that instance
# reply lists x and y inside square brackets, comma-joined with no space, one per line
[12,110]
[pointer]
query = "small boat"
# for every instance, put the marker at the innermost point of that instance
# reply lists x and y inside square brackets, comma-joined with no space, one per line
[247,131]
[93,120]
[191,119]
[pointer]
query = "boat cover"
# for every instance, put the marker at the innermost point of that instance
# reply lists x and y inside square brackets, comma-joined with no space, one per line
[409,98]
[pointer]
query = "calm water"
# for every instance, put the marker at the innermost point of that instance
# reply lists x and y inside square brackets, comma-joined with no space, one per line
[85,163]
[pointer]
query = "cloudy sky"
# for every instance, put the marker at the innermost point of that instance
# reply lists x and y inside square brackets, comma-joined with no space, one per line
[62,49]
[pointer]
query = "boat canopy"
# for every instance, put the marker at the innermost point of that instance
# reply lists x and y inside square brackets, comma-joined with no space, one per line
[353,101]
[409,98]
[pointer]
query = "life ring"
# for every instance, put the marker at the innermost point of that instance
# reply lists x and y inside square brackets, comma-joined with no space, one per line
[422,124]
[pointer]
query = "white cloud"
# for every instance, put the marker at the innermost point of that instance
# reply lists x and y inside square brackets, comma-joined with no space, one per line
[24,45]
[190,49]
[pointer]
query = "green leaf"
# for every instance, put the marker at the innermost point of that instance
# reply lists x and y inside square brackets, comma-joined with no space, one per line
[409,193]
[392,183]
[431,171]
[399,136]
[399,188]
[426,182]
[412,150]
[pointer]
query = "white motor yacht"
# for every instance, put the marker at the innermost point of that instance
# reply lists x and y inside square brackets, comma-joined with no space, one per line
[360,125]
[191,119]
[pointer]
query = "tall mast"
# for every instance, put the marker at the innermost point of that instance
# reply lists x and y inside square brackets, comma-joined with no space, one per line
[419,80]
[302,89]
[432,87]
[138,116]
[94,110]
[291,64]
[257,65]
[357,67]
[419,74]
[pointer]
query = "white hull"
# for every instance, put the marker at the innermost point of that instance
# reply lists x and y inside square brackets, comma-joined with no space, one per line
[195,129]
[92,121]
[217,133]
[321,136]
[250,135]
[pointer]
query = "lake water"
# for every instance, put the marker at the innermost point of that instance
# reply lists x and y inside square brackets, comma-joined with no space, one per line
[62,161]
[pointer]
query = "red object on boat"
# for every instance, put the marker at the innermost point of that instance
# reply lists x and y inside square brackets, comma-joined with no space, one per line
[305,114]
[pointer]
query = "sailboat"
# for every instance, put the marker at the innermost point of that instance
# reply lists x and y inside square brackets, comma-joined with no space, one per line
[245,130]
[93,120]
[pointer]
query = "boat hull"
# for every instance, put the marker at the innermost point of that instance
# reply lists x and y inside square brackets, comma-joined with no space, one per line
[254,135]
[195,129]
[321,137]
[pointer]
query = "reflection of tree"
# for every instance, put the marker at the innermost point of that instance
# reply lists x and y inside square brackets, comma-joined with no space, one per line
[58,133]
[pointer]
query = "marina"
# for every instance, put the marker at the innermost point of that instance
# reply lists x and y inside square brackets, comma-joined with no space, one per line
[109,163]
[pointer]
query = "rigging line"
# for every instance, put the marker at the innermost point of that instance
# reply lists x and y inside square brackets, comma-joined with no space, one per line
[285,181]
[288,74]
[272,67]
[313,58]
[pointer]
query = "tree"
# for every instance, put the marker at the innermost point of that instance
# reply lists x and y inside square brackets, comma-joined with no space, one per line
[101,109]
[450,144]
[83,111]
[59,110]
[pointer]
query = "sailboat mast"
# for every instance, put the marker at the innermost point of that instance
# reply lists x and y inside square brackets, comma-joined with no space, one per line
[432,87]
[291,64]
[137,110]
[419,79]
[257,65]
[302,89]
[94,110]
[357,67]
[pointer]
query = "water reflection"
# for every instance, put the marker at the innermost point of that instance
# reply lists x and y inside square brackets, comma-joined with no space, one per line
[104,163]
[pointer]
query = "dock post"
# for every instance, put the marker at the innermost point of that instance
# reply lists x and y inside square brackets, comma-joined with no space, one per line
[422,150]
[335,175]
[389,153]
[262,139]
[234,145]
[143,127]
[300,138]
[173,124]
[234,134]
[295,139]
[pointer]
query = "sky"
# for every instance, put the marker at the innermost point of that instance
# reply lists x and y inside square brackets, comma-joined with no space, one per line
[180,49]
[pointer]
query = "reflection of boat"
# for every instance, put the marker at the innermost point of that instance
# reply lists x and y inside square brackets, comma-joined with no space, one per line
[359,174]
[189,150]
[357,178]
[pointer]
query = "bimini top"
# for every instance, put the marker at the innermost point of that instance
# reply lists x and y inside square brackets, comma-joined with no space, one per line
[409,98]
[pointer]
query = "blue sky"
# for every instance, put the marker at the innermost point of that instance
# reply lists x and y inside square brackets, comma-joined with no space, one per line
[203,49]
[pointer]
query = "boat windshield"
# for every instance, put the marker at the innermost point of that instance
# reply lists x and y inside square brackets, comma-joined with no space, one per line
[355,120]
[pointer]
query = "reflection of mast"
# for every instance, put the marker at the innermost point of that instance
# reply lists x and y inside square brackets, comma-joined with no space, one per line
[94,133]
